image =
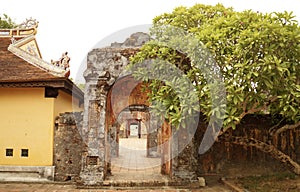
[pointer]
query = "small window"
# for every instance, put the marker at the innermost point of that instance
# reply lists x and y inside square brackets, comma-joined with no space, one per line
[9,152]
[24,153]
[92,160]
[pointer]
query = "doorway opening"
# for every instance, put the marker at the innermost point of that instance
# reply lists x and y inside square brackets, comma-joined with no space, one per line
[134,162]
[135,151]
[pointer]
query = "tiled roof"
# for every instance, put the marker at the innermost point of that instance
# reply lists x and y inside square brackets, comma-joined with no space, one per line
[16,69]
[19,68]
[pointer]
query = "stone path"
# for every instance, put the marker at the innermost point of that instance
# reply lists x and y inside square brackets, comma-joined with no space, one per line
[132,163]
[132,155]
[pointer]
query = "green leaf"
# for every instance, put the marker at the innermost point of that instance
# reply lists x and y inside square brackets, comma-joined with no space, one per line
[257,55]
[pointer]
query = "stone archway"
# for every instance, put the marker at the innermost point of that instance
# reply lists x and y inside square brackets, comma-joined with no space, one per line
[105,67]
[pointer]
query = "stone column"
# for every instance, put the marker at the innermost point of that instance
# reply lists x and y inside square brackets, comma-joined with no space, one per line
[184,154]
[94,162]
[166,160]
[113,140]
[152,140]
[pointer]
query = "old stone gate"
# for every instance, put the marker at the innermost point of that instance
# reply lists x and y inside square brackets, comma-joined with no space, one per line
[112,98]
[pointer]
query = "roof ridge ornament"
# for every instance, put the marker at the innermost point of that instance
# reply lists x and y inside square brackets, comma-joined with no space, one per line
[27,28]
[63,62]
[29,23]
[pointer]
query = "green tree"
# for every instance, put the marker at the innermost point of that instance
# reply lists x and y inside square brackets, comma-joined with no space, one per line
[6,22]
[258,56]
[81,86]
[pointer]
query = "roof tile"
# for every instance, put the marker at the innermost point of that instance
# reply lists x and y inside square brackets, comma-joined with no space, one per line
[14,68]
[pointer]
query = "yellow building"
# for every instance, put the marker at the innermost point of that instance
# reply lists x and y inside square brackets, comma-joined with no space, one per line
[32,94]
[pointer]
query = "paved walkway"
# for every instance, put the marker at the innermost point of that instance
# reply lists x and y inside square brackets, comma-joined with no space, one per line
[132,163]
[132,155]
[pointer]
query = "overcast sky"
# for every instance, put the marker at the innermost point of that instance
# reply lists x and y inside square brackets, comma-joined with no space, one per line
[78,26]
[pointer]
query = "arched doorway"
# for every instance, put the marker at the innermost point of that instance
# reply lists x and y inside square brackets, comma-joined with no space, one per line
[101,127]
[134,145]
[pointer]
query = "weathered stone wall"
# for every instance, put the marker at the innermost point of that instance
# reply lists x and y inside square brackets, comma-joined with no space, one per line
[224,154]
[68,146]
[184,164]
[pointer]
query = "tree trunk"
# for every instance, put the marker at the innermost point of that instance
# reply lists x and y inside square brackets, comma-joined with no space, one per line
[269,149]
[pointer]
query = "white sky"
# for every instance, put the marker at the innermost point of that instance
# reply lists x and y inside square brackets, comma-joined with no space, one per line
[77,26]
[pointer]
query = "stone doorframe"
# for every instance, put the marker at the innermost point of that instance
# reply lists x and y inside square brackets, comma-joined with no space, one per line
[104,67]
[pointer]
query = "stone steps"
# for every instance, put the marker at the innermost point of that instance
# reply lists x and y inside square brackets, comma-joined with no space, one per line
[27,173]
[142,184]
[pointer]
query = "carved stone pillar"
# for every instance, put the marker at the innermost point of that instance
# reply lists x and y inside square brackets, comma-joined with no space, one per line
[104,67]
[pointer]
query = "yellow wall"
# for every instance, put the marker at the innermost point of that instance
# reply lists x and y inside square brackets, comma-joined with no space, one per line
[65,103]
[27,122]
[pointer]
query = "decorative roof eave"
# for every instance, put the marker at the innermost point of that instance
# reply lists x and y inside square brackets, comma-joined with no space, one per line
[34,60]
[55,83]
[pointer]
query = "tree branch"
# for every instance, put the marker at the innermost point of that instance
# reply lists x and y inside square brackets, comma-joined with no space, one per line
[256,109]
[269,149]
[271,130]
[284,128]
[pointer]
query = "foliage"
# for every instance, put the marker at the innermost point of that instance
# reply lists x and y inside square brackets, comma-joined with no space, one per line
[6,22]
[256,54]
[81,86]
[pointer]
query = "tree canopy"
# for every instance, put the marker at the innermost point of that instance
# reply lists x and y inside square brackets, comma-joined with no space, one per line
[257,55]
[239,63]
[6,22]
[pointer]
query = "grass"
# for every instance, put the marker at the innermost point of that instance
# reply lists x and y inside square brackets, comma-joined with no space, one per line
[270,183]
